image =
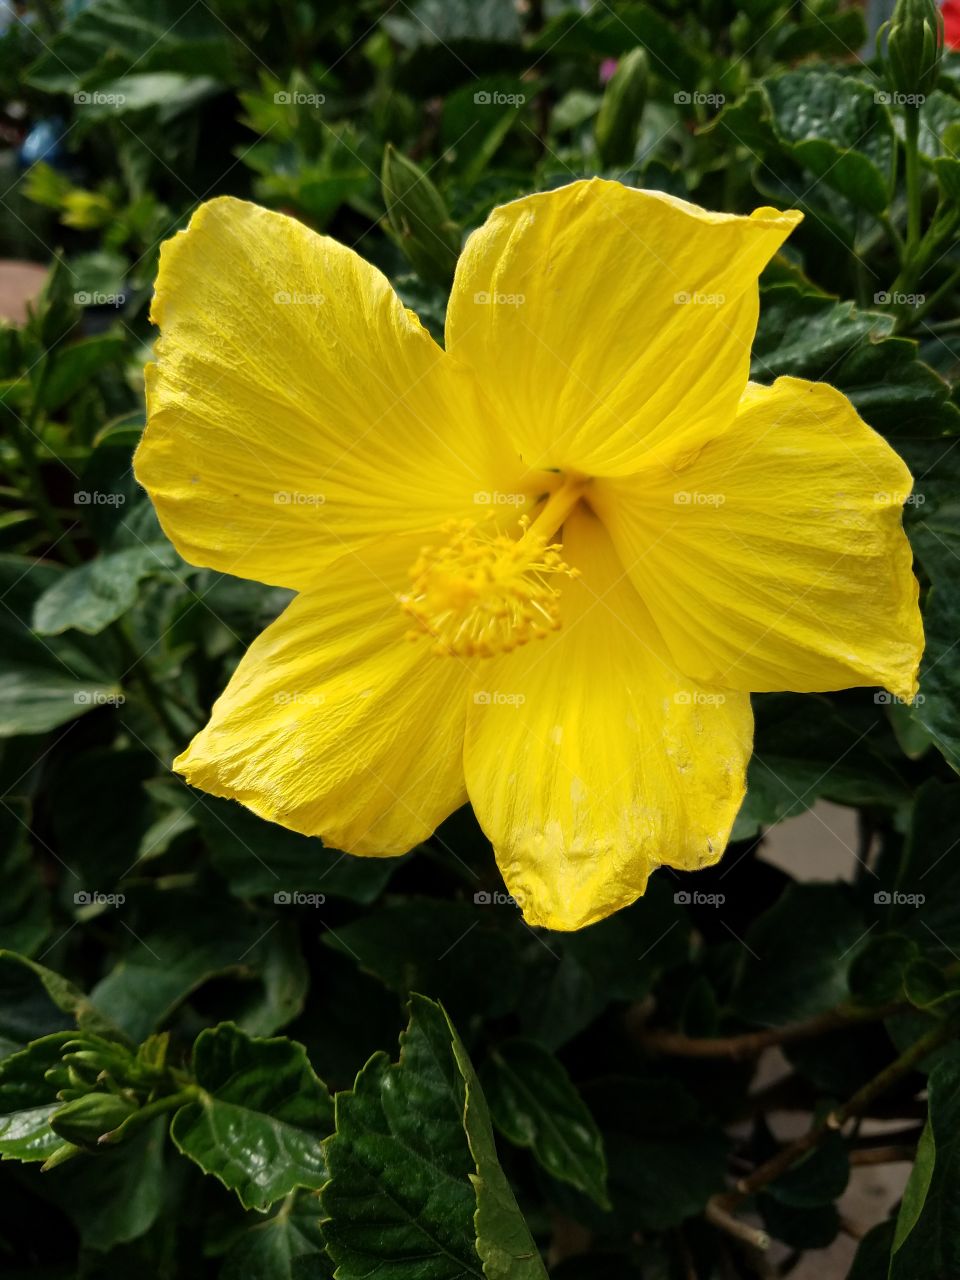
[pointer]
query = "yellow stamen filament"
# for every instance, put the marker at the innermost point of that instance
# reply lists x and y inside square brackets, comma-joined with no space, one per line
[483,592]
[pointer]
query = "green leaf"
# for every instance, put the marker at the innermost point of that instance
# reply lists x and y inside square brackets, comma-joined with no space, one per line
[73,366]
[91,596]
[816,1180]
[933,524]
[286,1246]
[24,908]
[831,124]
[926,1244]
[28,1099]
[806,748]
[806,334]
[535,1104]
[43,683]
[797,955]
[262,1114]
[115,1195]
[940,139]
[924,902]
[259,858]
[412,1162]
[173,951]
[35,1002]
[503,1241]
[619,958]
[665,1158]
[465,954]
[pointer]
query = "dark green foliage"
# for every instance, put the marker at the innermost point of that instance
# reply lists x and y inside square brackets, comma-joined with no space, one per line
[199,1011]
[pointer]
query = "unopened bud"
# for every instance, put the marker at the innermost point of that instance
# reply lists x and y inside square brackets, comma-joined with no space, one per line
[618,121]
[418,217]
[914,47]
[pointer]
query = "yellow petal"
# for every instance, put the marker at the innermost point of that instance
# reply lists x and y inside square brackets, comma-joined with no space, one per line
[776,558]
[606,321]
[334,724]
[296,409]
[590,761]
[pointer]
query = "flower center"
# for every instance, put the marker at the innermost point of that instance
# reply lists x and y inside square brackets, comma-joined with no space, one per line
[483,592]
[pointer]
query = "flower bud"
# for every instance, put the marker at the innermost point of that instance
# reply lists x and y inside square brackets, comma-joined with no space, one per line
[85,1119]
[418,217]
[618,121]
[914,47]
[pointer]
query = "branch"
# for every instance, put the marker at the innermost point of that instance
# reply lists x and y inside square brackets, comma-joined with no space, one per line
[750,1044]
[855,1105]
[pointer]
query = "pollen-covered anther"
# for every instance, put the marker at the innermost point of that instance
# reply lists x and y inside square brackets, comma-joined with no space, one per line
[482,593]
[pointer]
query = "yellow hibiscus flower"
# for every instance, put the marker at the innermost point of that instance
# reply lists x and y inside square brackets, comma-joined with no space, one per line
[541,569]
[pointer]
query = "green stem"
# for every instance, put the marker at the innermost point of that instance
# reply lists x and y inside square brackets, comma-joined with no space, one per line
[152,692]
[171,1102]
[24,434]
[907,321]
[911,119]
